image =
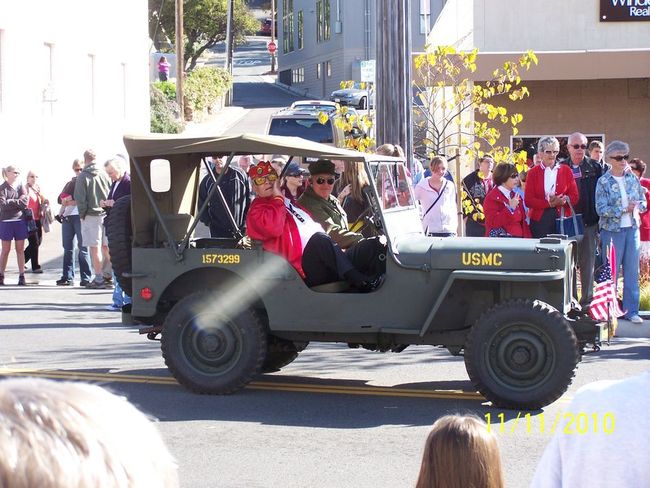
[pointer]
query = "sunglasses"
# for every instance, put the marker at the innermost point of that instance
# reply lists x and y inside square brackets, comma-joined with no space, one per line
[260,180]
[579,146]
[78,170]
[322,181]
[620,158]
[551,152]
[514,175]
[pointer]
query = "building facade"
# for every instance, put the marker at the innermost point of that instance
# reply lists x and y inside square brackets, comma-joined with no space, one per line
[73,75]
[593,73]
[322,42]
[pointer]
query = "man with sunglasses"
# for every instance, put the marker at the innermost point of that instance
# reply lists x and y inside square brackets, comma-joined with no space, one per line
[365,253]
[586,172]
[287,229]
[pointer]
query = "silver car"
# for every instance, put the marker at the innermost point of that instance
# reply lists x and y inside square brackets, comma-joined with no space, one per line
[355,97]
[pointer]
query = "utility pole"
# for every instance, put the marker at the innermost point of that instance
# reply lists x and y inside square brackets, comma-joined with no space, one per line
[393,96]
[273,35]
[229,46]
[180,57]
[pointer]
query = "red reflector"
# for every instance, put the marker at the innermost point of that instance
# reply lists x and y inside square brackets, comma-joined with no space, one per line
[146,294]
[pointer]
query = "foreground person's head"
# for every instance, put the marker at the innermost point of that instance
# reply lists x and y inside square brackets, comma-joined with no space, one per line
[460,452]
[264,178]
[62,434]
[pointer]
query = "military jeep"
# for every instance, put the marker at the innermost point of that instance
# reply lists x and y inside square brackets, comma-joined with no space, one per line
[226,310]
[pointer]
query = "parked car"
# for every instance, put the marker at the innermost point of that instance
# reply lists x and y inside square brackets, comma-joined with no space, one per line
[356,97]
[305,123]
[265,28]
[322,105]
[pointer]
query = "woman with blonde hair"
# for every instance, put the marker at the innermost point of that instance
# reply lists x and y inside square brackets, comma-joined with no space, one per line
[460,452]
[37,203]
[13,226]
[438,198]
[350,191]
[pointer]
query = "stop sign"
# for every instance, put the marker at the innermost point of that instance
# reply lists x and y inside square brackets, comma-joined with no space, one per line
[271,47]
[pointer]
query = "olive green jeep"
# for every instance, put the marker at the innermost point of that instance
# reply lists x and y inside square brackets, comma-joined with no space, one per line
[227,310]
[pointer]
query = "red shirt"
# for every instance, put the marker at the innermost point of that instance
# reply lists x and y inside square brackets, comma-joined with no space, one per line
[535,196]
[499,214]
[269,221]
[645,216]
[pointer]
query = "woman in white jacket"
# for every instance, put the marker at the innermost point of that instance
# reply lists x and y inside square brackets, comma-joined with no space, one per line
[437,195]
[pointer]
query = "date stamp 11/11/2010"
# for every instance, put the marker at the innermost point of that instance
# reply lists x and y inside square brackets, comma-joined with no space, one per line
[568,423]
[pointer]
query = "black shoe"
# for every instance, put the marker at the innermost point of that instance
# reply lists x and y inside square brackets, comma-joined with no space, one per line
[63,282]
[21,280]
[373,284]
[84,283]
[38,270]
[2,280]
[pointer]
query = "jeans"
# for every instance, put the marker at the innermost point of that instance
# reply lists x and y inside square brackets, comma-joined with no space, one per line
[71,228]
[626,244]
[119,297]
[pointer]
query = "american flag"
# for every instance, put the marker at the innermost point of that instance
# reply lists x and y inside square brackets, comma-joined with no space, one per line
[604,304]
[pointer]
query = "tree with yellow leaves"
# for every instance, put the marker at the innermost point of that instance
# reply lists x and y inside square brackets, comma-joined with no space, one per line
[459,117]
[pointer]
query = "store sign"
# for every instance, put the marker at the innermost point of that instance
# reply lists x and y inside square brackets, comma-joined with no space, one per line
[624,10]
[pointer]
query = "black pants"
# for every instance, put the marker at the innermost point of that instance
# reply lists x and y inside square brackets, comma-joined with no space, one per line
[368,256]
[545,225]
[33,242]
[323,261]
[473,228]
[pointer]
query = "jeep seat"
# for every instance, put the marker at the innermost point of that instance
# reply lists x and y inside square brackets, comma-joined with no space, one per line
[178,224]
[334,287]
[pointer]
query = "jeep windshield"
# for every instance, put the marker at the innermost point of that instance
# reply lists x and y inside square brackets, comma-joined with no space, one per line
[308,128]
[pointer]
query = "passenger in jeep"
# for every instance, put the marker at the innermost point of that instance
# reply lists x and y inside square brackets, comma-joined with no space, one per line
[287,229]
[364,253]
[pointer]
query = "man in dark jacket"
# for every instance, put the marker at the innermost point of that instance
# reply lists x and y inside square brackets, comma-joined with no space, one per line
[476,185]
[586,172]
[236,191]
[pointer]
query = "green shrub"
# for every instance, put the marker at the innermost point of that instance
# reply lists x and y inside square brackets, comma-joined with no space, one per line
[203,87]
[168,88]
[164,113]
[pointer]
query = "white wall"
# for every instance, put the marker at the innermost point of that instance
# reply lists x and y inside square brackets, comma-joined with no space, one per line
[98,58]
[552,25]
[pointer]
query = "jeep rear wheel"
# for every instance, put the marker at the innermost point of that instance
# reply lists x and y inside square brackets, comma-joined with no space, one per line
[521,354]
[210,351]
[119,235]
[280,353]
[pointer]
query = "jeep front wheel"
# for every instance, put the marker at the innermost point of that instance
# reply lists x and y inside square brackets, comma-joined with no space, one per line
[521,354]
[209,350]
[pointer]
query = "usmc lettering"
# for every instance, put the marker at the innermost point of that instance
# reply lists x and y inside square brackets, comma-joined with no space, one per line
[482,259]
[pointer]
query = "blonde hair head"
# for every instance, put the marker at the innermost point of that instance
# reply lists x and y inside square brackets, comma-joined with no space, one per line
[460,452]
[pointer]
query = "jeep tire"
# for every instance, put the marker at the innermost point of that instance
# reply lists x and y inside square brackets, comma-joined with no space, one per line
[209,350]
[119,235]
[280,353]
[521,354]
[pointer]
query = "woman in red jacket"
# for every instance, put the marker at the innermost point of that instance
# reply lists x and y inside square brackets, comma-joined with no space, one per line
[504,211]
[287,229]
[550,186]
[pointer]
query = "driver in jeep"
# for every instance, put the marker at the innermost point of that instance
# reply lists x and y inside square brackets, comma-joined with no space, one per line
[366,253]
[288,230]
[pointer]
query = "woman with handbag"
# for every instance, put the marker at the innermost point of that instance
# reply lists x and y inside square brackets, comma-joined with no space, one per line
[619,199]
[550,189]
[504,210]
[36,204]
[13,226]
[438,198]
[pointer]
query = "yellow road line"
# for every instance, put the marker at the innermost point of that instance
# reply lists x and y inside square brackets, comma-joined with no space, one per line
[254,385]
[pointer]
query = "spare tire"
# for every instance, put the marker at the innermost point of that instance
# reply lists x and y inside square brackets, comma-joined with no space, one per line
[120,236]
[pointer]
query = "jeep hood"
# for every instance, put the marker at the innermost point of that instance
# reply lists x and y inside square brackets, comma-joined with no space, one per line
[482,253]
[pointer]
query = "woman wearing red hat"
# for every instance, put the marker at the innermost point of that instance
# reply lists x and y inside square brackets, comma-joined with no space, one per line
[287,229]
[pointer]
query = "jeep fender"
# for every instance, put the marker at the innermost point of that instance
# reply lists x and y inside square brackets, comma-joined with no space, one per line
[494,276]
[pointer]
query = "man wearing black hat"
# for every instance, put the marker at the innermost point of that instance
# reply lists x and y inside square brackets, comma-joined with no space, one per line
[365,253]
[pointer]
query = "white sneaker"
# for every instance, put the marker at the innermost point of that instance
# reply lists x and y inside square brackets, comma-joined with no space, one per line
[635,319]
[113,308]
